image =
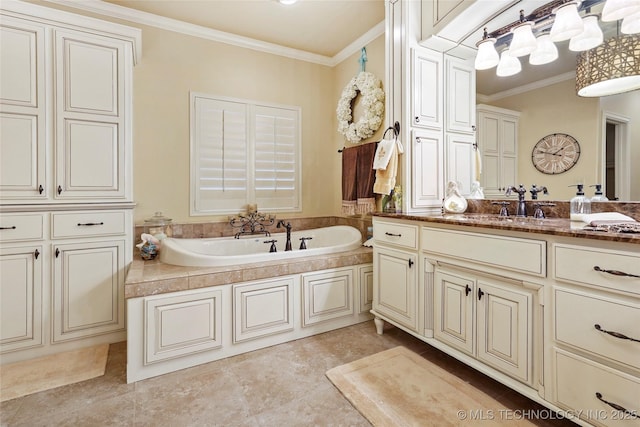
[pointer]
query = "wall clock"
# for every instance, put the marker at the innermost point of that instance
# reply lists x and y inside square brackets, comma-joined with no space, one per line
[555,153]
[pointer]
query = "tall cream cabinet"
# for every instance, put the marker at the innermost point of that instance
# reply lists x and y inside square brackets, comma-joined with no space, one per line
[432,95]
[66,198]
[498,143]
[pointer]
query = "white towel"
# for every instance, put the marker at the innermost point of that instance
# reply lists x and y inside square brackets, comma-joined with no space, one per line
[478,164]
[383,153]
[606,216]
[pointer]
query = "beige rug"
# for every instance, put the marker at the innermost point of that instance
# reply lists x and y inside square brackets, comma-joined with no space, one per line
[397,387]
[31,376]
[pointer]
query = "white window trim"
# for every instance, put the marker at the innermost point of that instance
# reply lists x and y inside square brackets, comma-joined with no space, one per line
[250,134]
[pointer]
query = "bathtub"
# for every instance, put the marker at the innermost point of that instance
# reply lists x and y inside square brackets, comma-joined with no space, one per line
[221,251]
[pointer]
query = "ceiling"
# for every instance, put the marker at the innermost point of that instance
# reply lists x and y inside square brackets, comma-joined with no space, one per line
[323,27]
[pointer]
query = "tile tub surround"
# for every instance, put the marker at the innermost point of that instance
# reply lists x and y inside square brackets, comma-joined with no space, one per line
[153,277]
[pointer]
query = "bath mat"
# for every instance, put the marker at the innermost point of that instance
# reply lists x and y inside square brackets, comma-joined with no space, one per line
[397,387]
[44,373]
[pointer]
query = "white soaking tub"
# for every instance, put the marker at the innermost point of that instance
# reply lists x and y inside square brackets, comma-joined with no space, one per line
[222,251]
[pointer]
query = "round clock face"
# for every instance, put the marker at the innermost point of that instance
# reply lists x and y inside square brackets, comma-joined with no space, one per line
[555,153]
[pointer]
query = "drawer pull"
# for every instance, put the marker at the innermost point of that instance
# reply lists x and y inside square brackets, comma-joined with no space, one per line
[615,334]
[632,414]
[13,227]
[392,235]
[615,272]
[88,224]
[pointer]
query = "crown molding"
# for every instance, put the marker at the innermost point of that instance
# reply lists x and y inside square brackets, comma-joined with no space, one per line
[124,13]
[528,87]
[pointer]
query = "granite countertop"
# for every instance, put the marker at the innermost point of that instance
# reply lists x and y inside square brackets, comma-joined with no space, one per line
[551,226]
[154,277]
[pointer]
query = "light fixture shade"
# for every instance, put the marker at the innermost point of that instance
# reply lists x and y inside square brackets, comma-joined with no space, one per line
[487,56]
[591,36]
[631,24]
[618,9]
[508,65]
[567,22]
[523,42]
[611,68]
[545,52]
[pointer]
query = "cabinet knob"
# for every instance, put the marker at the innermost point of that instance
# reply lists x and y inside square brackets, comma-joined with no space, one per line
[467,290]
[480,293]
[40,189]
[417,139]
[59,190]
[36,253]
[57,252]
[417,119]
[410,262]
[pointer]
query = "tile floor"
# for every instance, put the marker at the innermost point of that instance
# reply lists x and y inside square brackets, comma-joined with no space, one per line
[282,385]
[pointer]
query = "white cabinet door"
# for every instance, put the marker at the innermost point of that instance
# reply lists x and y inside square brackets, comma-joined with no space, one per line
[395,278]
[453,311]
[90,124]
[22,111]
[88,289]
[505,320]
[366,289]
[20,297]
[428,84]
[461,160]
[327,295]
[428,168]
[261,309]
[460,95]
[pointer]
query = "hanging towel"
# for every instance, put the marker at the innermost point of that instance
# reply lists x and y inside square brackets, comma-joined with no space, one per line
[349,170]
[365,177]
[386,179]
[383,154]
[478,164]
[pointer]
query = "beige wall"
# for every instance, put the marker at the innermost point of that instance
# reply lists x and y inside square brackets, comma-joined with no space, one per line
[556,109]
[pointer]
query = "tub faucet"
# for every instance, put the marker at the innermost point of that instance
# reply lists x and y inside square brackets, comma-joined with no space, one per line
[287,246]
[522,207]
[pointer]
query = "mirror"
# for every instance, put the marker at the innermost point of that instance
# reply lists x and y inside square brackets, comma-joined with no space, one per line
[546,98]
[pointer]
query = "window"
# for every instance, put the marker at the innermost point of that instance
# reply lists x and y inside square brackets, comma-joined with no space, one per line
[243,152]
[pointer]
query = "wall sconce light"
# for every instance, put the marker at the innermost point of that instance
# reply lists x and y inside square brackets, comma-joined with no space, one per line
[589,38]
[567,22]
[545,52]
[508,65]
[487,56]
[611,68]
[618,9]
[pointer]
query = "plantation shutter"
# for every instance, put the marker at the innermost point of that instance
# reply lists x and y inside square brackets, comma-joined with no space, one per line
[220,155]
[276,132]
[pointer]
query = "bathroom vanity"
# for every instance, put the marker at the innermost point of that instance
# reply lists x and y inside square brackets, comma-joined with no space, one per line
[546,309]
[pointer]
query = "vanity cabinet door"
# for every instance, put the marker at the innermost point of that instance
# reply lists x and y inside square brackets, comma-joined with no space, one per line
[504,328]
[460,95]
[454,311]
[461,161]
[428,168]
[428,84]
[395,278]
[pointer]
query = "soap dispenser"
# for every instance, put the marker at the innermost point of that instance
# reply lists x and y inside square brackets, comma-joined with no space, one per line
[599,197]
[580,205]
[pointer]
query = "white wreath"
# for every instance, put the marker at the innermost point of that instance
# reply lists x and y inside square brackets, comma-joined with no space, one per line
[369,87]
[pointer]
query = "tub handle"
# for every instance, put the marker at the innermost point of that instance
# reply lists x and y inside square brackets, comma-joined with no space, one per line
[303,244]
[273,245]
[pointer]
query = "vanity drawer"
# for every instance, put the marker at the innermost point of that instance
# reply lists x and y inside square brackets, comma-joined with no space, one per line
[577,264]
[405,235]
[88,224]
[21,226]
[577,313]
[521,255]
[579,379]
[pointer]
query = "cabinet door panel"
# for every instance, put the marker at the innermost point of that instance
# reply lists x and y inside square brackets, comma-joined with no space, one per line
[428,88]
[428,169]
[21,62]
[88,289]
[366,289]
[509,138]
[394,282]
[20,298]
[461,94]
[454,310]
[505,329]
[461,161]
[327,296]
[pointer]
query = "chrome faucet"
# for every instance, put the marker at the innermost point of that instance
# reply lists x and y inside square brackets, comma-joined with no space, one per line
[287,246]
[522,207]
[535,190]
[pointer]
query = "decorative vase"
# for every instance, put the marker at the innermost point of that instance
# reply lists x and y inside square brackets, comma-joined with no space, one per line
[454,202]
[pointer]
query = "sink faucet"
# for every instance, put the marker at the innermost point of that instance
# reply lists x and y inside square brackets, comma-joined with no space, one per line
[287,246]
[535,190]
[522,207]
